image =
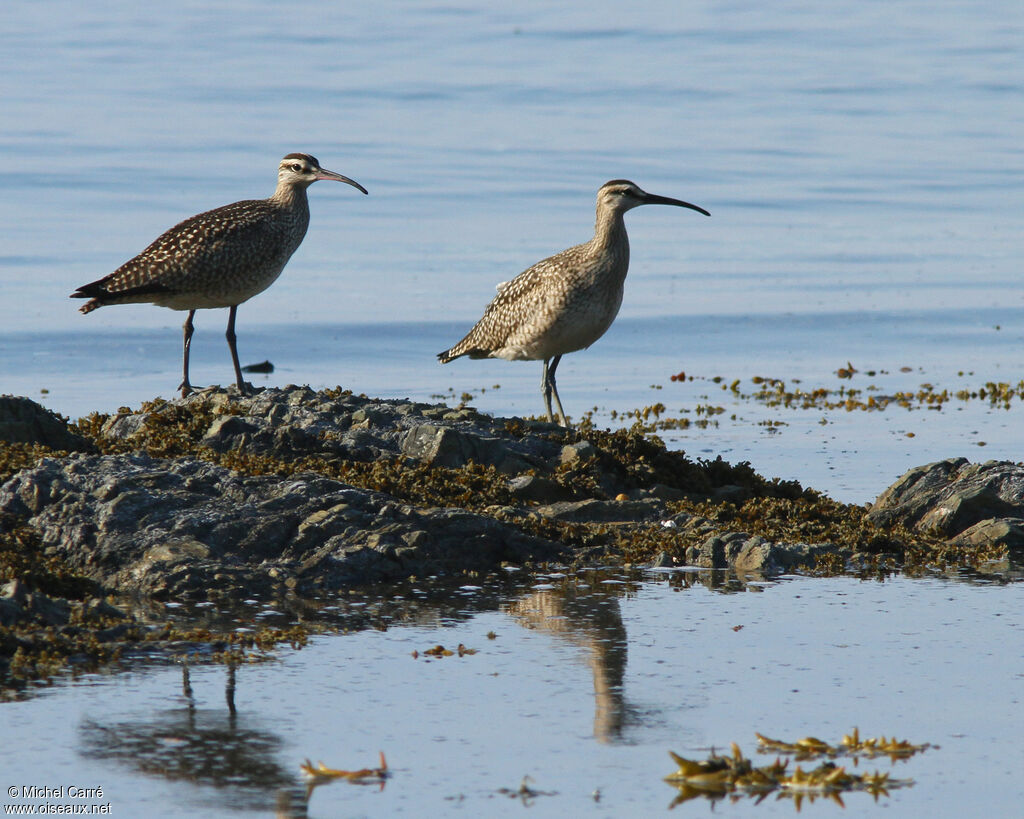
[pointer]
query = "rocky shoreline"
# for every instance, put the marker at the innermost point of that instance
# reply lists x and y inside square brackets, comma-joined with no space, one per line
[291,494]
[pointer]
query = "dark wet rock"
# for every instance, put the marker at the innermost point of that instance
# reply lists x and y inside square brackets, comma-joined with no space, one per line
[753,555]
[11,612]
[23,421]
[229,432]
[665,493]
[225,518]
[47,610]
[951,497]
[539,489]
[97,610]
[731,493]
[662,560]
[14,590]
[295,421]
[611,477]
[12,602]
[593,510]
[18,604]
[452,448]
[581,451]
[1006,531]
[758,556]
[188,528]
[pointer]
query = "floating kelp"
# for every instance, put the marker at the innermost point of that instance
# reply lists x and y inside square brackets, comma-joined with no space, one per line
[735,776]
[778,393]
[524,792]
[851,745]
[320,774]
[439,651]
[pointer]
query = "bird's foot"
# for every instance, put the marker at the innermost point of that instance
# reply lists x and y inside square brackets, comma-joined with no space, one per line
[244,388]
[188,389]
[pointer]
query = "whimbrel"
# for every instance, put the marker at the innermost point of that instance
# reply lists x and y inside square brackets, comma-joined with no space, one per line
[565,302]
[219,258]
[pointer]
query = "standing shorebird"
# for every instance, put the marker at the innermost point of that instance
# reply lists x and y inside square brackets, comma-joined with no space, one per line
[220,258]
[565,302]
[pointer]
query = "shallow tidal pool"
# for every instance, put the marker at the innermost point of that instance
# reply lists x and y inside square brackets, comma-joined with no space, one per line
[570,692]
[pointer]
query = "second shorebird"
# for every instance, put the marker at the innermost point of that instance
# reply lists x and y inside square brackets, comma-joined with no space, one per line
[219,258]
[565,302]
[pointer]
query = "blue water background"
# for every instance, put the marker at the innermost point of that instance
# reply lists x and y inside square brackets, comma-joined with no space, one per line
[862,162]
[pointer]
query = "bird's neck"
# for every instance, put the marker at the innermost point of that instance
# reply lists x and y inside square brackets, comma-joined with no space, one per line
[610,232]
[291,197]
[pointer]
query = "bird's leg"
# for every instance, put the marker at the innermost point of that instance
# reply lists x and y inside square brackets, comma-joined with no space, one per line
[545,390]
[230,335]
[554,389]
[187,329]
[548,388]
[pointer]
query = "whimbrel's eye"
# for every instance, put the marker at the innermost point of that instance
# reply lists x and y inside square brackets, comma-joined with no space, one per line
[297,167]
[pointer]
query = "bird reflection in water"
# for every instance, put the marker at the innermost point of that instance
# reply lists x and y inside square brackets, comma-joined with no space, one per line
[212,747]
[590,618]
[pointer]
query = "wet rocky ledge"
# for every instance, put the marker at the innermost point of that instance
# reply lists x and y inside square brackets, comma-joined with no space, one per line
[293,494]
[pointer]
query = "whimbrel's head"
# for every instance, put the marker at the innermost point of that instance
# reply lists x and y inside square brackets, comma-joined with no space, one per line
[302,170]
[620,195]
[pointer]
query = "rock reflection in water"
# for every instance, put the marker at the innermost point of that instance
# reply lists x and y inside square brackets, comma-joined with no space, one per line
[207,747]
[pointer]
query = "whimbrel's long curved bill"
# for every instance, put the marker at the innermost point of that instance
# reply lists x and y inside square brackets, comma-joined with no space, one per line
[323,173]
[654,199]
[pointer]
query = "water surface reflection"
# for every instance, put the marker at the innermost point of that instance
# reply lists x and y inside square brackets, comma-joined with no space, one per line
[590,679]
[590,618]
[205,747]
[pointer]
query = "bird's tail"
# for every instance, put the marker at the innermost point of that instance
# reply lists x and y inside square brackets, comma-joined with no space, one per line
[447,355]
[100,293]
[94,291]
[89,306]
[468,346]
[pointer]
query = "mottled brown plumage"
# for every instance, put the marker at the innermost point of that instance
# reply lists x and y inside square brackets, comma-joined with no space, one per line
[565,302]
[219,258]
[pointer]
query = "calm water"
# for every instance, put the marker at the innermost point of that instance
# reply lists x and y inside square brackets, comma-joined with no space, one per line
[863,166]
[852,456]
[862,163]
[586,685]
